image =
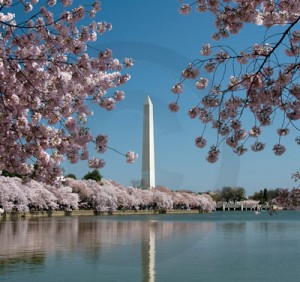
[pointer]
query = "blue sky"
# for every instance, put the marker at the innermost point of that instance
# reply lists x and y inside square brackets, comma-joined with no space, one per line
[162,43]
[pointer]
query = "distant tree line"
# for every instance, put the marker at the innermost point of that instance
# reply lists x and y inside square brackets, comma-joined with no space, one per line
[237,194]
[229,194]
[264,196]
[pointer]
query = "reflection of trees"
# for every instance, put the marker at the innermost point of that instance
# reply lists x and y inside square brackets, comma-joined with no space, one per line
[266,228]
[19,245]
[99,239]
[230,227]
[34,259]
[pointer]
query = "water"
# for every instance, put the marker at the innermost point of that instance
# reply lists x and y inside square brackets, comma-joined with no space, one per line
[222,246]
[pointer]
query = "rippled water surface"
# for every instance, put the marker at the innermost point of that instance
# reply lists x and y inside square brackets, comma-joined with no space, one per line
[222,246]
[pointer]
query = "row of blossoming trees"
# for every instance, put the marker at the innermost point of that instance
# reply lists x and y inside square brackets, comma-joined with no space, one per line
[99,196]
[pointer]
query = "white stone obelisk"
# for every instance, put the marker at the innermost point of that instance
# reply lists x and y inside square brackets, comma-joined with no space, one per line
[148,165]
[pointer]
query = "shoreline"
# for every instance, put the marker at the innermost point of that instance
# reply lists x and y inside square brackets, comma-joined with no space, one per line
[74,213]
[36,214]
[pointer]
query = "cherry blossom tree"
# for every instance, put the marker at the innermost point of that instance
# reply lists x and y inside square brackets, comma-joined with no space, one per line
[12,197]
[67,200]
[39,198]
[47,80]
[260,80]
[162,200]
[134,199]
[206,202]
[104,196]
[179,201]
[288,199]
[84,192]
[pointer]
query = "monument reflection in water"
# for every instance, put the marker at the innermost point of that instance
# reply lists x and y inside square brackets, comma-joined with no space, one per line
[222,246]
[148,254]
[76,248]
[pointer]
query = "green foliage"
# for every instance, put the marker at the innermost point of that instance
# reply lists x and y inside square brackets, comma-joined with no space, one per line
[71,175]
[272,194]
[94,175]
[9,174]
[257,196]
[264,196]
[216,196]
[234,194]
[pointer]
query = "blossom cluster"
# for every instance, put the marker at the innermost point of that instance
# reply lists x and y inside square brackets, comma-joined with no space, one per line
[47,79]
[89,194]
[261,80]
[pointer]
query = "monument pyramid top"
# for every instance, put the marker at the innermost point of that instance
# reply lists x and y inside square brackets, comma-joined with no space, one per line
[148,100]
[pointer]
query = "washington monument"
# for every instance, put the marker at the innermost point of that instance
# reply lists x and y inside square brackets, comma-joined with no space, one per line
[148,165]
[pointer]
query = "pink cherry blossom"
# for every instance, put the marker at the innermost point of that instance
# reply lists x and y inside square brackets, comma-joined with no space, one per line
[200,142]
[67,3]
[97,6]
[131,157]
[222,56]
[235,124]
[194,112]
[177,88]
[51,2]
[185,9]
[240,134]
[278,149]
[213,154]
[242,59]
[202,83]
[128,62]
[173,107]
[96,163]
[283,131]
[240,150]
[257,146]
[255,131]
[201,6]
[206,50]
[108,104]
[268,71]
[28,7]
[224,130]
[119,96]
[190,72]
[210,67]
[101,143]
[231,141]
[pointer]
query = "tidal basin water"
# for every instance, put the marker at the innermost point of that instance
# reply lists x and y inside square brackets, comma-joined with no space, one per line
[221,246]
